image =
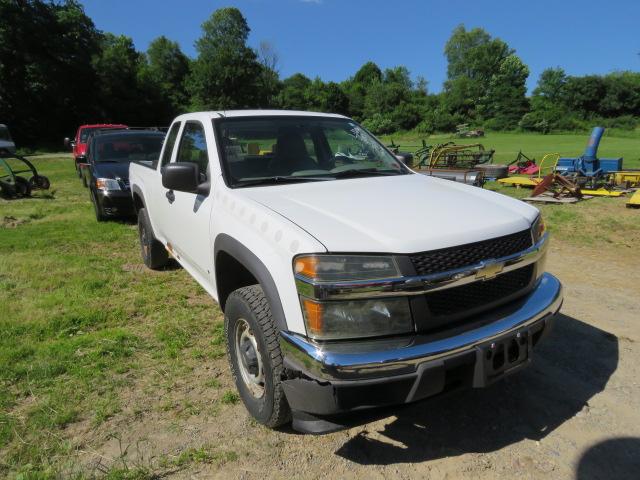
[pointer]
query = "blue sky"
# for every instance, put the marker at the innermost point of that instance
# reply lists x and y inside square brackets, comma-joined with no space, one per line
[333,38]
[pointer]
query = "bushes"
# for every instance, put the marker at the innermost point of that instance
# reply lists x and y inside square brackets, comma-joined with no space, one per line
[624,122]
[380,124]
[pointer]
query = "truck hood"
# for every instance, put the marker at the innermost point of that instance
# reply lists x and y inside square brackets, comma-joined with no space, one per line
[111,170]
[401,214]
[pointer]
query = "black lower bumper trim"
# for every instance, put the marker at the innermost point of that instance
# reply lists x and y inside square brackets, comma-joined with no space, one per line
[318,405]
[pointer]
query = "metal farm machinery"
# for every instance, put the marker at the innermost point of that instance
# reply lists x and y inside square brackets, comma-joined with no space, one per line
[470,164]
[12,165]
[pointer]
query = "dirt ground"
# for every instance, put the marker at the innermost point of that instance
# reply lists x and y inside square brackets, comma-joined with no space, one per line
[574,413]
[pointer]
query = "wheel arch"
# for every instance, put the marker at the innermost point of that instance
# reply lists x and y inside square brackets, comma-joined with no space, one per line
[236,266]
[138,198]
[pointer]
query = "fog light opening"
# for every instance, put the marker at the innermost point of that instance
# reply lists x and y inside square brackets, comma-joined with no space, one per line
[513,352]
[498,358]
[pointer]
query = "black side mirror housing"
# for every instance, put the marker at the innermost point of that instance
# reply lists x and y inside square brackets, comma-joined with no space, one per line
[182,177]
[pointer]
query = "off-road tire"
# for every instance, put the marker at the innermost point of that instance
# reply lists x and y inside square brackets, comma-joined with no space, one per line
[100,216]
[153,253]
[250,304]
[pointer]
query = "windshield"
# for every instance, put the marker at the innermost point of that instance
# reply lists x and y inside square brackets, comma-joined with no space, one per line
[299,149]
[126,148]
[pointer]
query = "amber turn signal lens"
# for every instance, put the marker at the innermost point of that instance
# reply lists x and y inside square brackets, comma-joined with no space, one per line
[313,314]
[307,266]
[541,227]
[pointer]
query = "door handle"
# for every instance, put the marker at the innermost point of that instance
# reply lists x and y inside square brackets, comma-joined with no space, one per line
[170,196]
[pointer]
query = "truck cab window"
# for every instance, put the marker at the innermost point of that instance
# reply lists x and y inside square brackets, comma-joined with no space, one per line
[193,148]
[171,140]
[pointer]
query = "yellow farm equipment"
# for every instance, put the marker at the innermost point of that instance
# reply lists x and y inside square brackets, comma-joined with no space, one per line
[634,201]
[548,164]
[547,171]
[626,178]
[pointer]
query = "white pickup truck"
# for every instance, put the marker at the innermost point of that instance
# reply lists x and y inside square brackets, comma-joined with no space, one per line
[347,280]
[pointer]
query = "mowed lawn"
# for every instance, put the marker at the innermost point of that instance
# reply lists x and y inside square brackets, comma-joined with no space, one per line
[82,320]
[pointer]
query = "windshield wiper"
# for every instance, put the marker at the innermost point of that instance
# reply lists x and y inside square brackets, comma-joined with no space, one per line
[356,172]
[277,180]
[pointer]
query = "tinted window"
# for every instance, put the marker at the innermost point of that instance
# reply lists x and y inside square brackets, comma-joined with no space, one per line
[126,148]
[85,132]
[193,148]
[170,142]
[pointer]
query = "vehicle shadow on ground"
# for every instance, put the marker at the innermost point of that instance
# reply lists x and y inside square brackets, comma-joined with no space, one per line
[132,221]
[570,366]
[38,196]
[614,458]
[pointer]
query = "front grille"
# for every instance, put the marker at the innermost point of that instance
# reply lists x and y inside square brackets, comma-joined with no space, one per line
[456,300]
[436,261]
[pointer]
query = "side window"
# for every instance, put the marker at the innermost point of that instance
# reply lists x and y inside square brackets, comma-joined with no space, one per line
[193,148]
[169,143]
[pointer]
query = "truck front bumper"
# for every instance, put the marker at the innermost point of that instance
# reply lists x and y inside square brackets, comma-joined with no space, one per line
[115,203]
[335,377]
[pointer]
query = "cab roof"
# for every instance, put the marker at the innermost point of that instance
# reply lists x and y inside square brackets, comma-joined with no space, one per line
[257,113]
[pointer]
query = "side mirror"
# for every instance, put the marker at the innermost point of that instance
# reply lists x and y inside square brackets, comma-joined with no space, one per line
[181,176]
[405,158]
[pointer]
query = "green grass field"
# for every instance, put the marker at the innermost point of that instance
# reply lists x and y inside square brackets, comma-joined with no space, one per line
[82,320]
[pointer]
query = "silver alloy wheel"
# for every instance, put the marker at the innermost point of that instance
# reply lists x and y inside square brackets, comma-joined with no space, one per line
[249,359]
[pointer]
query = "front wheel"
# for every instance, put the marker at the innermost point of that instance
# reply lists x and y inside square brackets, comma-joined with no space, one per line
[254,355]
[154,255]
[100,216]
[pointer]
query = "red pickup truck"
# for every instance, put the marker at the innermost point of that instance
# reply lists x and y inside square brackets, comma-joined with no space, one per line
[79,143]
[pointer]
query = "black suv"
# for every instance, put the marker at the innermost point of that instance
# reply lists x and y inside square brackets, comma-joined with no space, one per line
[106,171]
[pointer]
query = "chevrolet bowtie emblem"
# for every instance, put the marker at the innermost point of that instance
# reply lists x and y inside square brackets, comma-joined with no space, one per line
[489,271]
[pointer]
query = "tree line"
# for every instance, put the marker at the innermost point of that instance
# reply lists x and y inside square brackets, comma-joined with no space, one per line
[57,70]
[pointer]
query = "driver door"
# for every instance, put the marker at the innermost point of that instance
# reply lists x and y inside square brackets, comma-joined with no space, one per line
[188,214]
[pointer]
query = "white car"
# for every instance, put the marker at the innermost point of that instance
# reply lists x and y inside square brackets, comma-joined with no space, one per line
[347,280]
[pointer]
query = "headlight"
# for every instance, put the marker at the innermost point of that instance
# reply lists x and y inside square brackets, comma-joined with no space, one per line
[342,268]
[538,228]
[107,184]
[332,320]
[357,318]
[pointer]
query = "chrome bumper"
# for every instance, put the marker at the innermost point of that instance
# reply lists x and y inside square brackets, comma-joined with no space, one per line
[357,360]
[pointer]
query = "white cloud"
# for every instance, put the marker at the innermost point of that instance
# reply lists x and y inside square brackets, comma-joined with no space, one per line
[317,2]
